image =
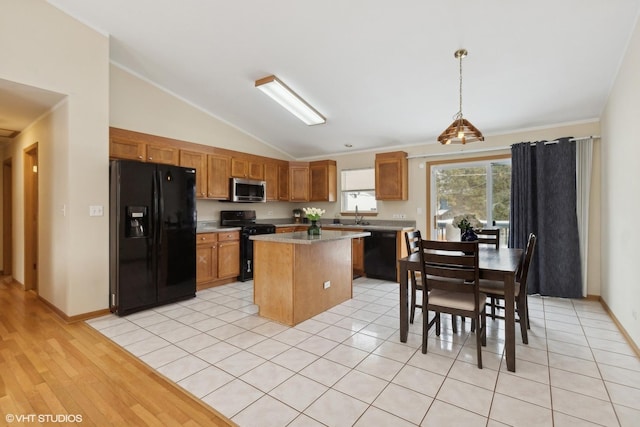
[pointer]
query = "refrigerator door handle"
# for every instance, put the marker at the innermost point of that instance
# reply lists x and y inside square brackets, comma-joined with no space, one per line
[160,207]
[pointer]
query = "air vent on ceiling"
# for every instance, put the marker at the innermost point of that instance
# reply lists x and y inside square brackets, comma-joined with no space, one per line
[8,133]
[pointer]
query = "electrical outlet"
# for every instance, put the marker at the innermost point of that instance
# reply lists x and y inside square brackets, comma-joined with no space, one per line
[419,211]
[96,210]
[403,216]
[327,284]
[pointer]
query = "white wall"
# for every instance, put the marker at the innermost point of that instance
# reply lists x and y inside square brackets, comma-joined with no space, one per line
[44,48]
[621,196]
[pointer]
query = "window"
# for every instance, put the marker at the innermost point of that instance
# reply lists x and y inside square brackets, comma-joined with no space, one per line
[481,187]
[358,190]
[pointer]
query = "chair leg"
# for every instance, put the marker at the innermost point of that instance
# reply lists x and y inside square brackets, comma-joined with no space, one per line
[526,309]
[438,323]
[479,340]
[524,321]
[413,302]
[454,323]
[425,327]
[493,308]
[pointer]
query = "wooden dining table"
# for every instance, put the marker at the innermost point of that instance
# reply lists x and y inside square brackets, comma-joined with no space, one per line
[494,264]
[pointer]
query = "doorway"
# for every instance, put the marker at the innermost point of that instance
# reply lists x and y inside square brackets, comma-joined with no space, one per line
[31,218]
[7,218]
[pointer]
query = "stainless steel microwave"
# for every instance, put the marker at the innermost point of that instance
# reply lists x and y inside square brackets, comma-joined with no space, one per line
[248,190]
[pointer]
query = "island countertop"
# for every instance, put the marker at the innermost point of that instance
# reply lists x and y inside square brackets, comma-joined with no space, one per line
[302,238]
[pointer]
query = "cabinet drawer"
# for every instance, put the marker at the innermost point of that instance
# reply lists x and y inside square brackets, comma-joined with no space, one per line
[203,238]
[228,235]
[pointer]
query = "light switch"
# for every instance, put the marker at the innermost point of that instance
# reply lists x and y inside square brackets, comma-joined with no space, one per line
[96,210]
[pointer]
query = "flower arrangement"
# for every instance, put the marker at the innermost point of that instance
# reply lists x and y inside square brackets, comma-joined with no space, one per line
[466,222]
[313,214]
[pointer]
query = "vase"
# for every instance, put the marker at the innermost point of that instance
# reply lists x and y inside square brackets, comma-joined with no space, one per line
[314,229]
[468,235]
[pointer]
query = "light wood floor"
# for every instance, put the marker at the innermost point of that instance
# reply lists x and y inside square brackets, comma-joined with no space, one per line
[49,367]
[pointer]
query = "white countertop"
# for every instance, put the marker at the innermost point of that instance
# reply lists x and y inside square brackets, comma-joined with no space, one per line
[301,237]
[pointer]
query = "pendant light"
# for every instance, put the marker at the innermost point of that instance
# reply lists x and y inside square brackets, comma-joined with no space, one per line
[461,130]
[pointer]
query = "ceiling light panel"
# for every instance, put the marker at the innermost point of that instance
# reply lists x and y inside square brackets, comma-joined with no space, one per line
[290,100]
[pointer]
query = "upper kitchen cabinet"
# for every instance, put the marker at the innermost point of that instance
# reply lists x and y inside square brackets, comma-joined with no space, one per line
[162,154]
[242,167]
[120,148]
[323,181]
[218,176]
[299,181]
[271,177]
[392,182]
[283,181]
[198,161]
[130,145]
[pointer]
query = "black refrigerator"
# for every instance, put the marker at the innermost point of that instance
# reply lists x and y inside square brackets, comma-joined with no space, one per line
[152,241]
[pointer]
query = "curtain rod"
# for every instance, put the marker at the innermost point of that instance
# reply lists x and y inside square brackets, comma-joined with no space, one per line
[485,150]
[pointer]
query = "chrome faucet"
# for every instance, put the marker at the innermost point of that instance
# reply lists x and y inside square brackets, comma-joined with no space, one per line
[357,220]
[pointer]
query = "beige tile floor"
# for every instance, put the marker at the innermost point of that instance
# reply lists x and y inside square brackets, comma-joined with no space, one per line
[348,367]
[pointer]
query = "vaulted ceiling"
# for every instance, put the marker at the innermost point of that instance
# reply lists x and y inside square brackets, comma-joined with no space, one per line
[383,73]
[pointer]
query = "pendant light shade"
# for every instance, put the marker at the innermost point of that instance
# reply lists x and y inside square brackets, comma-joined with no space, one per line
[461,130]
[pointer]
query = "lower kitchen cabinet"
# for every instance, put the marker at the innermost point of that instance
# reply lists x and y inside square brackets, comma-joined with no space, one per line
[228,254]
[218,258]
[206,257]
[357,255]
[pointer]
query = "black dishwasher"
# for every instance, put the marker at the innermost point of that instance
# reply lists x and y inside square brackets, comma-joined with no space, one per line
[380,255]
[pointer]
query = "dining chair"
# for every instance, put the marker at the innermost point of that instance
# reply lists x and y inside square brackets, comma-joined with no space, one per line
[491,237]
[412,239]
[451,275]
[495,289]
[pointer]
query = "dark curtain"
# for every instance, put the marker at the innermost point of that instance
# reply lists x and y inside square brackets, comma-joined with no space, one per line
[543,202]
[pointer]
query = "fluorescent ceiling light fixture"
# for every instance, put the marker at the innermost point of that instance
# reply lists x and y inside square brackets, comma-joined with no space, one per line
[290,100]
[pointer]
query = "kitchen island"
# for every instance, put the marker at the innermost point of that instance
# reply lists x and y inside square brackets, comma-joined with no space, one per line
[297,276]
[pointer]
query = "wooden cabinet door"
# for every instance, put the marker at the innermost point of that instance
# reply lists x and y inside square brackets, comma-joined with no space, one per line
[217,177]
[228,259]
[162,154]
[391,176]
[198,161]
[120,148]
[299,183]
[206,257]
[357,255]
[256,170]
[322,181]
[239,167]
[271,178]
[283,182]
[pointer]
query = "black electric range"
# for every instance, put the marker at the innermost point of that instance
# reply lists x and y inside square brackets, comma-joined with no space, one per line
[246,220]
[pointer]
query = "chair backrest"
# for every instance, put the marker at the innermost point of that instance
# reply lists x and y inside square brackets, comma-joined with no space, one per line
[452,266]
[412,239]
[523,271]
[490,236]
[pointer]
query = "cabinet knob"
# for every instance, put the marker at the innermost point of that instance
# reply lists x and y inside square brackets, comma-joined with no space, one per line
[140,157]
[150,158]
[203,238]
